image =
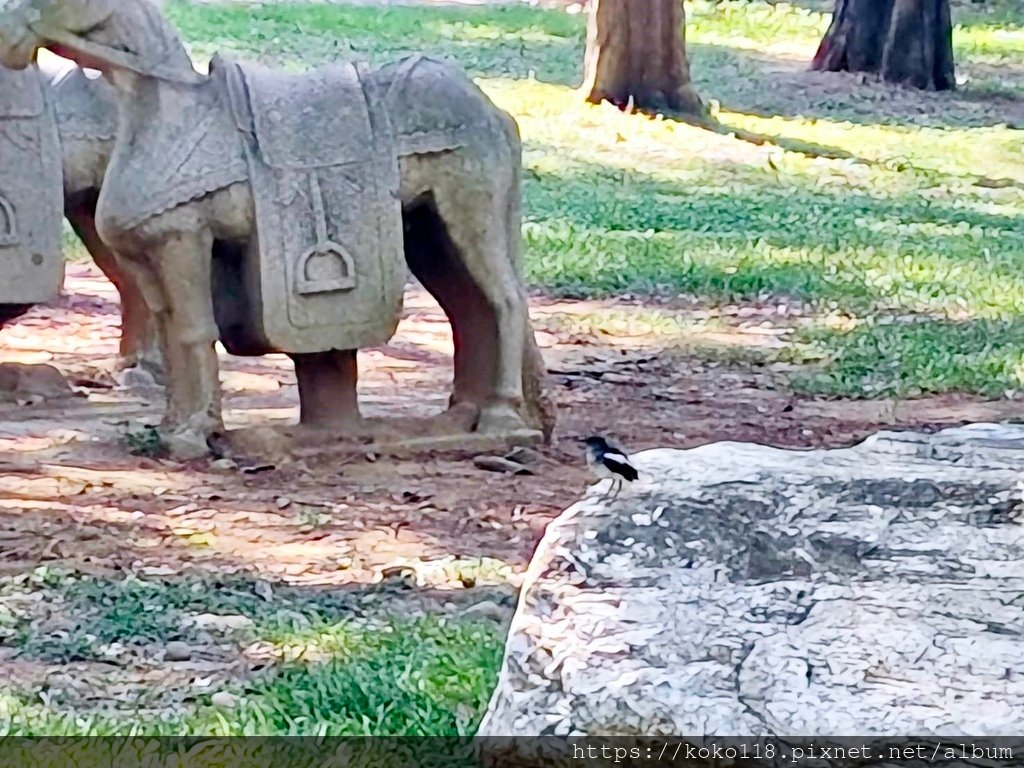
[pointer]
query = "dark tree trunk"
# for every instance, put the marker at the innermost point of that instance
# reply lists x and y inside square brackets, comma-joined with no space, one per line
[909,42]
[636,53]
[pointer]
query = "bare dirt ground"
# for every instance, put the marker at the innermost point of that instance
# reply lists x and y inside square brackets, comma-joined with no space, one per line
[72,495]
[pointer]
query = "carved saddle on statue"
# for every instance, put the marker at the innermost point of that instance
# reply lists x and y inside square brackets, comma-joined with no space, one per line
[31,191]
[326,269]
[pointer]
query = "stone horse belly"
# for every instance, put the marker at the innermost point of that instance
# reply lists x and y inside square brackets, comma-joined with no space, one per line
[325,268]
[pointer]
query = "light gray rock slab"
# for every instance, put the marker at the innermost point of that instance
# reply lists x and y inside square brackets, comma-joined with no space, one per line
[744,589]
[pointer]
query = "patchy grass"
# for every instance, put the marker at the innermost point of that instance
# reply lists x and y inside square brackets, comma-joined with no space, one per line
[302,662]
[146,441]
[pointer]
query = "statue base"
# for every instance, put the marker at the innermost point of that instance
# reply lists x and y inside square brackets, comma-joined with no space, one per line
[394,437]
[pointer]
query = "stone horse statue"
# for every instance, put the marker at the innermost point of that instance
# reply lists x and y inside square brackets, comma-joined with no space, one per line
[272,211]
[72,166]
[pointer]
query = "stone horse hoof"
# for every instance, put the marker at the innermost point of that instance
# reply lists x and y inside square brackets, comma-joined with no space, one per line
[139,377]
[499,419]
[187,443]
[149,363]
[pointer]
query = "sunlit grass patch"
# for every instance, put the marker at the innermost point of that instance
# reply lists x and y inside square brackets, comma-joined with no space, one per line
[739,24]
[306,662]
[502,40]
[422,676]
[990,44]
[907,357]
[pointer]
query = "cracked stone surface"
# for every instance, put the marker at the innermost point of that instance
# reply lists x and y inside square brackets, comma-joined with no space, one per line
[743,589]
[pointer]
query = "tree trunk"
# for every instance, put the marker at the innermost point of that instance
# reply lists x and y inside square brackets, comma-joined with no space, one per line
[909,42]
[636,53]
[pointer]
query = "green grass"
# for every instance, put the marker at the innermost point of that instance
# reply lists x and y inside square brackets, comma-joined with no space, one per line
[331,663]
[913,356]
[510,41]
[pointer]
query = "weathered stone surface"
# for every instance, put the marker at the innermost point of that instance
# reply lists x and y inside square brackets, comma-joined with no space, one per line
[742,589]
[328,220]
[30,191]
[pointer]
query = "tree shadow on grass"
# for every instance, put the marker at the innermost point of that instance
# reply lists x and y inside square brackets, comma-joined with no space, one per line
[895,266]
[768,86]
[712,123]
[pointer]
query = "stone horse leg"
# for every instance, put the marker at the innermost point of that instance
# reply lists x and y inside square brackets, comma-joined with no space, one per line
[459,249]
[328,395]
[462,242]
[139,345]
[170,258]
[86,112]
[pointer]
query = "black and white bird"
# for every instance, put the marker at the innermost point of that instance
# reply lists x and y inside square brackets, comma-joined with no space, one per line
[608,461]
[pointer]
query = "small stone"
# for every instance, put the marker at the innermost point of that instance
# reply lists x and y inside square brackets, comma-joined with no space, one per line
[402,575]
[283,502]
[224,465]
[256,469]
[177,651]
[499,464]
[617,378]
[224,700]
[523,455]
[487,609]
[264,590]
[136,377]
[218,622]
